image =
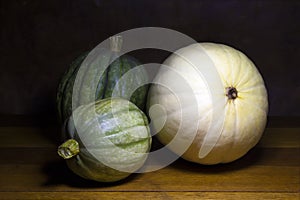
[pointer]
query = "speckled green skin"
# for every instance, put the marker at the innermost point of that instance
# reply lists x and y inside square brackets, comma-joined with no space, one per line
[103,85]
[119,137]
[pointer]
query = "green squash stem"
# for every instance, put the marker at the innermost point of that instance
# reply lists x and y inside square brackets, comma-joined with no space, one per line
[68,149]
[116,43]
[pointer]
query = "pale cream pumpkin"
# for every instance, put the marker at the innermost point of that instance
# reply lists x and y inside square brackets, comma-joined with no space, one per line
[230,105]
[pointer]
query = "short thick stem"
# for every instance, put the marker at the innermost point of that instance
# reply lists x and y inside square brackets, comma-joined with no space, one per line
[116,43]
[68,149]
[231,93]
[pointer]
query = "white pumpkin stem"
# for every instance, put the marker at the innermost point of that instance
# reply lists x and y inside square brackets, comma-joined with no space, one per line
[116,43]
[231,93]
[68,149]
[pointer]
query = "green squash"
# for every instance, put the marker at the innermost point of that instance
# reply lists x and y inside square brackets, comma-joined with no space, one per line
[108,140]
[99,84]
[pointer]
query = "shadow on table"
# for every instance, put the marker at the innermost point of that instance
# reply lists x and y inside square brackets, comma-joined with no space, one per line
[59,174]
[253,157]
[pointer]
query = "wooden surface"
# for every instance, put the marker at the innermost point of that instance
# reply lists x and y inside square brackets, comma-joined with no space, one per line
[31,169]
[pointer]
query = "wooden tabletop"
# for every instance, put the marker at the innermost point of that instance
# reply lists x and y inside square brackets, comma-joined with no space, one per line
[31,169]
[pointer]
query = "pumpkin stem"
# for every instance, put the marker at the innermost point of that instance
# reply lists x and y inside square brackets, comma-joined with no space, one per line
[68,149]
[231,93]
[116,43]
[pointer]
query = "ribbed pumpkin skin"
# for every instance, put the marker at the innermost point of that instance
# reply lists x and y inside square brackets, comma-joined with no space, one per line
[105,84]
[120,138]
[244,117]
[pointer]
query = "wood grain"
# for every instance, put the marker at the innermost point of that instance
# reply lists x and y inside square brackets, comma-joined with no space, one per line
[151,195]
[31,169]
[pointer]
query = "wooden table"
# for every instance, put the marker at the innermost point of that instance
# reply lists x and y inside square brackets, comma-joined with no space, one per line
[31,169]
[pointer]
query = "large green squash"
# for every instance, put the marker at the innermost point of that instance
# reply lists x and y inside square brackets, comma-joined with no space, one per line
[108,140]
[103,83]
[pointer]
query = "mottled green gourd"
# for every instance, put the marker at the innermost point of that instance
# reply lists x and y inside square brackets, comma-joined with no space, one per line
[108,140]
[97,85]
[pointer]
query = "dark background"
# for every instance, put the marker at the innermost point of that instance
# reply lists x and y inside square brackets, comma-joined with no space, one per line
[39,39]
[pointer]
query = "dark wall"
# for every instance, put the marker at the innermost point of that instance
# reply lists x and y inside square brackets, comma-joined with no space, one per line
[38,40]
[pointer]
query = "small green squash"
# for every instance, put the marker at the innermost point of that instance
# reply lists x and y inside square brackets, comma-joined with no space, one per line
[107,140]
[95,86]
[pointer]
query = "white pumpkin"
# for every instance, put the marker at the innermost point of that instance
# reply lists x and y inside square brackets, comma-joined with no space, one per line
[224,113]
